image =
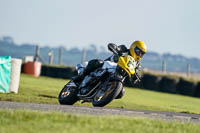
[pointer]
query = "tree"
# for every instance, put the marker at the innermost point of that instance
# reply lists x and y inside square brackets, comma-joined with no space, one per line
[8,39]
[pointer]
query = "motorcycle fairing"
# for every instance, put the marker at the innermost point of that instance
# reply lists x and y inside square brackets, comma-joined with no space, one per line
[128,64]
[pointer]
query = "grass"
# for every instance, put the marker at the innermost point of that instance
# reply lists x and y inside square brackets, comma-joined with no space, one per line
[150,100]
[36,90]
[46,90]
[25,121]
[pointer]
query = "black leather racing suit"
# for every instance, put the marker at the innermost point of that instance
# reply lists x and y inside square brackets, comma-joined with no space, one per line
[97,63]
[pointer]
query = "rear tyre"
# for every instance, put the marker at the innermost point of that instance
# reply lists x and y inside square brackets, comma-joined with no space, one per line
[102,97]
[68,95]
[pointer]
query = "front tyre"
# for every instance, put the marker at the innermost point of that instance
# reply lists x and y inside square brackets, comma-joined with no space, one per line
[103,97]
[68,95]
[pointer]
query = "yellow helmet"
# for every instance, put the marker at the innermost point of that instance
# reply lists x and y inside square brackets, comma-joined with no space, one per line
[138,49]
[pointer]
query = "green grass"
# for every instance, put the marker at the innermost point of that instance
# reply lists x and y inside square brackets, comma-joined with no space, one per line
[46,90]
[23,121]
[36,90]
[150,100]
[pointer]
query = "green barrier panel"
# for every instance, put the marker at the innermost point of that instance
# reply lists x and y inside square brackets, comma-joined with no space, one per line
[5,70]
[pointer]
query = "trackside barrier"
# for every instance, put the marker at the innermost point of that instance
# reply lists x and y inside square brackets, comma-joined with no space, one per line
[33,68]
[149,81]
[5,70]
[15,74]
[10,70]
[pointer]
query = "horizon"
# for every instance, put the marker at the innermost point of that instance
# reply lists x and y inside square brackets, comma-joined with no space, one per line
[89,46]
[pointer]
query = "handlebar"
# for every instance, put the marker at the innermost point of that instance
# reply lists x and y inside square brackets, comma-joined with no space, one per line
[137,65]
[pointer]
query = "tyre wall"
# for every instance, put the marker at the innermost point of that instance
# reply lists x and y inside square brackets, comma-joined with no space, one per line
[153,82]
[169,85]
[56,72]
[185,87]
[197,91]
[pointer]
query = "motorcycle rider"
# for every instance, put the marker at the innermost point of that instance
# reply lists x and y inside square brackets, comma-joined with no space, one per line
[136,50]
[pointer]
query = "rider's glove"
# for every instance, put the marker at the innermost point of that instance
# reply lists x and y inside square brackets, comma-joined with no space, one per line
[112,46]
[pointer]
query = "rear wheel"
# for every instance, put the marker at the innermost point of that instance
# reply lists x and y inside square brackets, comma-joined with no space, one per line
[103,97]
[68,95]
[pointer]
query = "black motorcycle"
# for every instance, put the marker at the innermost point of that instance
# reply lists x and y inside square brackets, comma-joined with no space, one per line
[103,85]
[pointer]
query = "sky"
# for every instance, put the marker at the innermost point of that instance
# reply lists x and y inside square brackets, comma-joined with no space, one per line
[164,25]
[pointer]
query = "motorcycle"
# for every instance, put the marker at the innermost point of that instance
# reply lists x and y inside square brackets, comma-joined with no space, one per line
[104,84]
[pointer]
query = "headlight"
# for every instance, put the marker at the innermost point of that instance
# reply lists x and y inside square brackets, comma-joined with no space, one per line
[130,65]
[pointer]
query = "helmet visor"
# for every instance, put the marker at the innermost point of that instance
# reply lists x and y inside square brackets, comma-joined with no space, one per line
[139,52]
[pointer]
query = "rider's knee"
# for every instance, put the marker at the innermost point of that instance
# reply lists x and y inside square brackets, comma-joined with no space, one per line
[94,64]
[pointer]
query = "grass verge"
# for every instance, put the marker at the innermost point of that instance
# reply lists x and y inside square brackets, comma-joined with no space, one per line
[25,121]
[46,90]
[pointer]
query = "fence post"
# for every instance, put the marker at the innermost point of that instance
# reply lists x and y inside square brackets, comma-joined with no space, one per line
[50,54]
[60,56]
[164,66]
[188,70]
[37,53]
[83,56]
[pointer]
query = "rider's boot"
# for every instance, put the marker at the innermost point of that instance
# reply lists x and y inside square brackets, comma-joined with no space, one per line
[77,79]
[92,65]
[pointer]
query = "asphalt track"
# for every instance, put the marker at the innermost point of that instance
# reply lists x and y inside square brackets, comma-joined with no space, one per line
[169,116]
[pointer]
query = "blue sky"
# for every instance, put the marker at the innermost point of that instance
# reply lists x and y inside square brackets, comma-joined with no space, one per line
[166,26]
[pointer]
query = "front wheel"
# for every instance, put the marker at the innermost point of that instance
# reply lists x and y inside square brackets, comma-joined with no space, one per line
[68,95]
[103,97]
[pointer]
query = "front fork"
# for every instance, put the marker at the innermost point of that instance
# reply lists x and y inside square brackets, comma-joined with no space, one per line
[113,77]
[105,84]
